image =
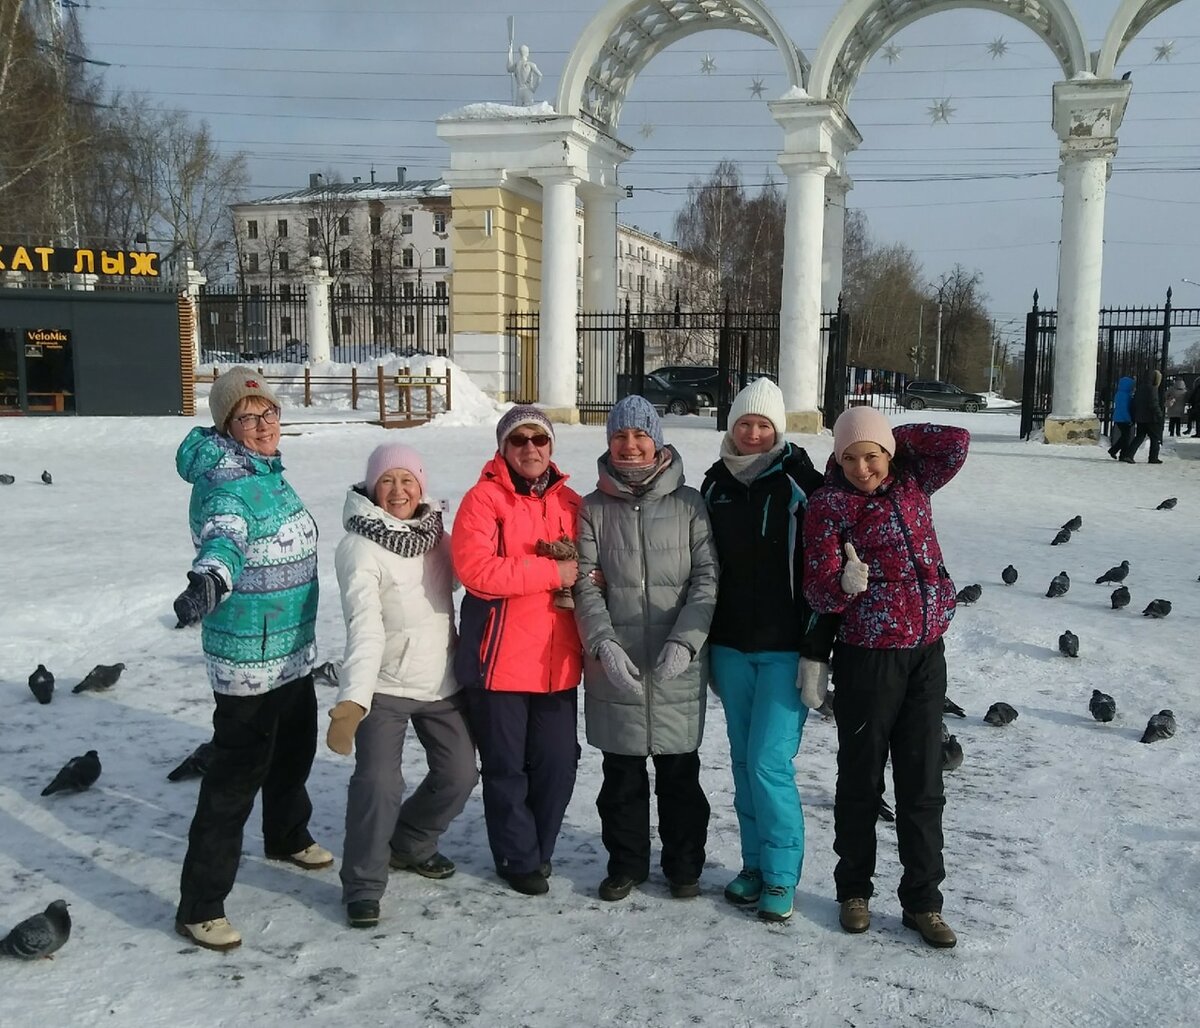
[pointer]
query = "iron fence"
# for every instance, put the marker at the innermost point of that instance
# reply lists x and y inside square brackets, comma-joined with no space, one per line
[370,321]
[259,325]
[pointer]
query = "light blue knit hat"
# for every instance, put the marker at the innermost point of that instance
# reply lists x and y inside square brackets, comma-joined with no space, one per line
[636,412]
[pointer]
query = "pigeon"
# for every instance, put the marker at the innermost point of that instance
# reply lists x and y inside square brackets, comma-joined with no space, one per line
[1168,504]
[885,812]
[1000,714]
[1115,575]
[195,764]
[1068,644]
[950,707]
[41,684]
[1120,597]
[1075,524]
[1064,536]
[46,478]
[77,774]
[1009,575]
[1160,726]
[326,673]
[101,677]
[952,754]
[7,480]
[1059,584]
[40,935]
[1102,706]
[969,593]
[1157,609]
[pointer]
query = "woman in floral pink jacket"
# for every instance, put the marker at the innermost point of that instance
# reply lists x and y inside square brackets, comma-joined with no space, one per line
[872,556]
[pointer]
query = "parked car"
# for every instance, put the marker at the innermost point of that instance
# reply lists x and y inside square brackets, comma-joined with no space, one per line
[943,395]
[674,397]
[707,379]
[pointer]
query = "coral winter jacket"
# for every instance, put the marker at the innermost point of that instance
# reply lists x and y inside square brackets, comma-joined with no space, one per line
[511,636]
[910,596]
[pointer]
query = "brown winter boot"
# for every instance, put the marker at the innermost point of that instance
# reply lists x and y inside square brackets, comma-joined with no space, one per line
[855,915]
[933,929]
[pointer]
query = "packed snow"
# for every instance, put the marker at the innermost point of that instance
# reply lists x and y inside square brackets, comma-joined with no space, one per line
[1072,850]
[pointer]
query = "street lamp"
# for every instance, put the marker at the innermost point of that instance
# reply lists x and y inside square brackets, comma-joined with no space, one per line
[1190,282]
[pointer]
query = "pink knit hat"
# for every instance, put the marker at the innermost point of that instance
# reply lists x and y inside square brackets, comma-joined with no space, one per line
[393,455]
[859,425]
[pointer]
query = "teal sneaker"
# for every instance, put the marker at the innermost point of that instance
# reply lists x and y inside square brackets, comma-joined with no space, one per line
[775,903]
[745,888]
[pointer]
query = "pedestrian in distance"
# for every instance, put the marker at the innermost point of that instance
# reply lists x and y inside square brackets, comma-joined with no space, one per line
[396,580]
[1176,405]
[644,633]
[1148,417]
[766,645]
[519,658]
[253,589]
[1122,416]
[872,555]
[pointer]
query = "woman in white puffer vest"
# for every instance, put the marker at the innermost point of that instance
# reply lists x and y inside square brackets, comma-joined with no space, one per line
[396,580]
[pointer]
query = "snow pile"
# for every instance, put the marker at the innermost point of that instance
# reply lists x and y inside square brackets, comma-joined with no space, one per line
[498,112]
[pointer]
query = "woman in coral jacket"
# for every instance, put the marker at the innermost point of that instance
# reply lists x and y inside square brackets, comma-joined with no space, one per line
[872,555]
[519,656]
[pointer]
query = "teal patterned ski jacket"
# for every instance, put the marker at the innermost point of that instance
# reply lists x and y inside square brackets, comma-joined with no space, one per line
[249,526]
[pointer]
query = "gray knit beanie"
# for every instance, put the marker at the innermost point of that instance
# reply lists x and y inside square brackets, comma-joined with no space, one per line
[636,412]
[523,414]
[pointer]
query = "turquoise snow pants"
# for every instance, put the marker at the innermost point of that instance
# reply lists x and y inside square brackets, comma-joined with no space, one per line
[765,719]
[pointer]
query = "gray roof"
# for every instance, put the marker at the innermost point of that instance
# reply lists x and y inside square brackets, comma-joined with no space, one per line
[360,191]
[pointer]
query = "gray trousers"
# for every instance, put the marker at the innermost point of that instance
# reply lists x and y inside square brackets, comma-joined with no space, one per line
[378,823]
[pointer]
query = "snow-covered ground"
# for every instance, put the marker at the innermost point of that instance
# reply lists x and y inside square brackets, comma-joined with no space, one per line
[1073,852]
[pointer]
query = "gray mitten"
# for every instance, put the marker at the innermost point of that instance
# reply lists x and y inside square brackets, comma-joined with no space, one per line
[621,671]
[813,682]
[672,661]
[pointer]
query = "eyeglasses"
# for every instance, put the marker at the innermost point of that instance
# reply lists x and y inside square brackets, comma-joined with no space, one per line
[249,421]
[518,441]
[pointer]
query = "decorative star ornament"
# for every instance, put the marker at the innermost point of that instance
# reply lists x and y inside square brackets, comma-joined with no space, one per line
[647,130]
[891,53]
[1165,50]
[707,64]
[998,47]
[940,110]
[757,89]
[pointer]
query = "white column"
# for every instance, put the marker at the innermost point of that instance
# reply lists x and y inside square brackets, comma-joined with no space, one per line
[556,346]
[800,305]
[600,249]
[833,250]
[1084,177]
[316,283]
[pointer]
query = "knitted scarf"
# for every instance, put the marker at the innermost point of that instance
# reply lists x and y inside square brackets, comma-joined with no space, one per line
[746,467]
[639,480]
[412,538]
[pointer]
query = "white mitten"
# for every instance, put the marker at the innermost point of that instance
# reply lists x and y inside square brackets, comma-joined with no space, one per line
[813,682]
[854,574]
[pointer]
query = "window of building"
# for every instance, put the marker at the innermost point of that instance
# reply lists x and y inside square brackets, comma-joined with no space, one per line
[439,257]
[377,325]
[579,233]
[410,324]
[376,224]
[578,266]
[251,229]
[281,228]
[344,260]
[345,290]
[621,279]
[406,258]
[406,223]
[409,290]
[376,258]
[285,261]
[441,325]
[377,290]
[347,327]
[285,292]
[285,325]
[439,289]
[252,262]
[641,283]
[256,290]
[344,225]
[439,223]
[314,228]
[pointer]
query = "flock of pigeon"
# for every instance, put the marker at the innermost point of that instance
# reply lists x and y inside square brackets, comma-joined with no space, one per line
[1102,706]
[47,478]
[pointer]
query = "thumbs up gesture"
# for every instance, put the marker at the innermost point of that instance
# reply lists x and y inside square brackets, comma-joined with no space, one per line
[854,574]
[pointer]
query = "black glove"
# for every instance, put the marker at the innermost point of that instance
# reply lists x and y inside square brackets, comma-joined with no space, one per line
[199,599]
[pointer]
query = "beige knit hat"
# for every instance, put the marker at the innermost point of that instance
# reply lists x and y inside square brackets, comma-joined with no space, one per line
[232,387]
[762,397]
[859,425]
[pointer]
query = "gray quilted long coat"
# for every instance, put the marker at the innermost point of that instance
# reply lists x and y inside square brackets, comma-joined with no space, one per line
[660,571]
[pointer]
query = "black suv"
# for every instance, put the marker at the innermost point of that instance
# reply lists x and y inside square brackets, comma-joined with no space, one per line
[704,380]
[920,395]
[673,397]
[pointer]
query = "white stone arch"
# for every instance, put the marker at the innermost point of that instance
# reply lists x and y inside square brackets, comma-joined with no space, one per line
[863,26]
[626,35]
[1131,17]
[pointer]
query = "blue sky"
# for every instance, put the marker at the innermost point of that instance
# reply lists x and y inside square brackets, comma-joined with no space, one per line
[307,85]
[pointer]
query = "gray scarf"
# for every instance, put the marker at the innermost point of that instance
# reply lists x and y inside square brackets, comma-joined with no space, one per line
[639,480]
[746,467]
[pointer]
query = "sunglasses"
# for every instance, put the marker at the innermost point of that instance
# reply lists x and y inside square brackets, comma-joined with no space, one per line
[518,441]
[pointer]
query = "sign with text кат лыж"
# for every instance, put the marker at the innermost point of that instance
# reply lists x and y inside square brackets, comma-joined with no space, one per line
[66,260]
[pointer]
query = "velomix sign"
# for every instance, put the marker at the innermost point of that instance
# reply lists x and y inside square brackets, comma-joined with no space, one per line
[65,260]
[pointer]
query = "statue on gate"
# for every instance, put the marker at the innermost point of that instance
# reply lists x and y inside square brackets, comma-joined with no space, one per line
[525,74]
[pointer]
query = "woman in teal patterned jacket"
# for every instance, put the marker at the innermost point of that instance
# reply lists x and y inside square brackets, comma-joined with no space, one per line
[253,588]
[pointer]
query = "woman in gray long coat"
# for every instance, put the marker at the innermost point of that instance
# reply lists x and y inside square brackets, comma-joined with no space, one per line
[644,621]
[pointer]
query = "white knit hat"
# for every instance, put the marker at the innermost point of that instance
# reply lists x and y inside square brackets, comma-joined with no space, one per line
[762,397]
[862,425]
